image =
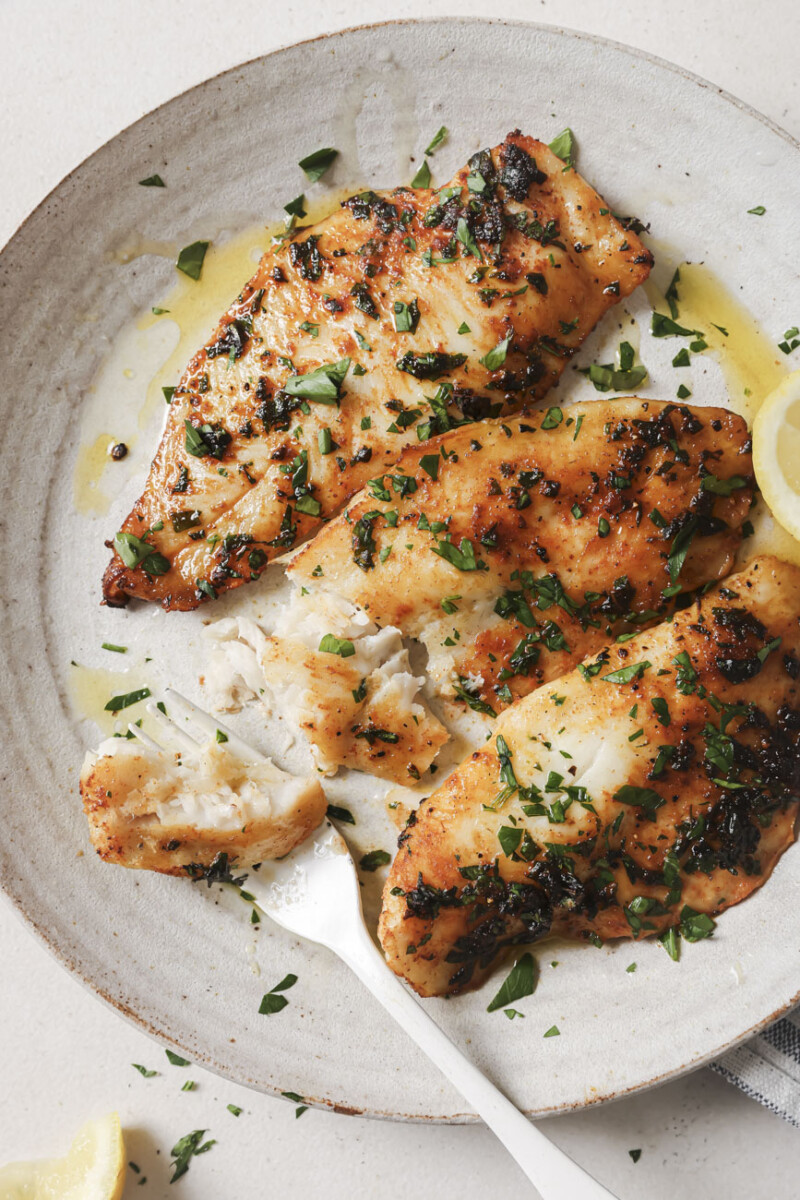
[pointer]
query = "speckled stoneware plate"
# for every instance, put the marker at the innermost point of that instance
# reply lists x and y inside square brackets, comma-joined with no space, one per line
[81,366]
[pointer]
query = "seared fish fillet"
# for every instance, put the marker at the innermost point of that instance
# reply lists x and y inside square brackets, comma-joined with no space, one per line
[324,367]
[511,551]
[186,813]
[660,782]
[516,549]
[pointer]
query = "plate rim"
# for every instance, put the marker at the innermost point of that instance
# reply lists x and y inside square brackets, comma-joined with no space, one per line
[563,30]
[16,904]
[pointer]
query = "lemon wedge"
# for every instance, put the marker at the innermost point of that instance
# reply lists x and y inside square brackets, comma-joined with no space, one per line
[94,1168]
[776,452]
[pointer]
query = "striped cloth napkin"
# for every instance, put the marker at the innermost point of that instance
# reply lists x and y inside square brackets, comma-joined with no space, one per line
[767,1068]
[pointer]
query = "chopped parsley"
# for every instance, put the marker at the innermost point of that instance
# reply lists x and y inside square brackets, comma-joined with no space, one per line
[317,163]
[640,797]
[466,691]
[520,982]
[563,146]
[272,1001]
[137,552]
[552,418]
[299,1100]
[323,384]
[437,140]
[430,465]
[405,316]
[422,179]
[188,1147]
[334,645]
[664,326]
[791,340]
[117,703]
[190,259]
[722,487]
[206,439]
[495,358]
[680,548]
[462,556]
[629,673]
[296,207]
[335,813]
[176,1059]
[467,239]
[606,377]
[374,859]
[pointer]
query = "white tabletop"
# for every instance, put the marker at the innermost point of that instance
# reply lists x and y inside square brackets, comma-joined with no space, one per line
[74,73]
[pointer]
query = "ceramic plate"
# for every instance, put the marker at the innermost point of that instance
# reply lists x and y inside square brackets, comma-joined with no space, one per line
[84,361]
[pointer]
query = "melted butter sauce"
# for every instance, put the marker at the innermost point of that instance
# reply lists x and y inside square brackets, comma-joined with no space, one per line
[90,689]
[89,497]
[750,360]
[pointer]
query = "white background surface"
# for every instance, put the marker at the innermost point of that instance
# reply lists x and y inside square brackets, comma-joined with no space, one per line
[73,74]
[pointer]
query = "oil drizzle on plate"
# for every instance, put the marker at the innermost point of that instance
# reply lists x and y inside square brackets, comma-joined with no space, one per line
[750,360]
[89,497]
[90,689]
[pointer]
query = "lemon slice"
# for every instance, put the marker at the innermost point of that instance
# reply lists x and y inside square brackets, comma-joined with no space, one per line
[776,452]
[94,1168]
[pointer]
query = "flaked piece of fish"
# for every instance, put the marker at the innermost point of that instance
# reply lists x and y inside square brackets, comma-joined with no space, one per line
[345,684]
[180,812]
[403,312]
[658,785]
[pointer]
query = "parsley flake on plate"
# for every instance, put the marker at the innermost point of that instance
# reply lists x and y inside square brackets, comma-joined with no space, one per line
[272,1002]
[520,982]
[317,163]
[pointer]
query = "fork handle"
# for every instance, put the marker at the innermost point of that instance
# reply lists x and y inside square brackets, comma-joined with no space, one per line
[548,1168]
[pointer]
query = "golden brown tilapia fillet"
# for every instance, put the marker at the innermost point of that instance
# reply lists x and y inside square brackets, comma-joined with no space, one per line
[356,337]
[657,785]
[514,550]
[511,551]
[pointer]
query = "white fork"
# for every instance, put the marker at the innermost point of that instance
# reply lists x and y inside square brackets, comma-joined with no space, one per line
[314,893]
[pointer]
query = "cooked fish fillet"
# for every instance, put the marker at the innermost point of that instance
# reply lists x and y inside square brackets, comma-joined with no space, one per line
[188,813]
[661,781]
[511,552]
[322,370]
